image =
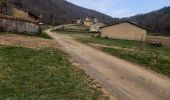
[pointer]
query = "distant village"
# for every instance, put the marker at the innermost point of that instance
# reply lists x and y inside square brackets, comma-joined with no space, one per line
[24,21]
[93,23]
[122,30]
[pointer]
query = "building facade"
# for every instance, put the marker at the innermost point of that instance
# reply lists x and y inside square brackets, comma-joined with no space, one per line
[124,30]
[15,24]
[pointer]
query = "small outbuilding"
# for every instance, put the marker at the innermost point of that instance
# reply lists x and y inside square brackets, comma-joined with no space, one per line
[88,22]
[124,30]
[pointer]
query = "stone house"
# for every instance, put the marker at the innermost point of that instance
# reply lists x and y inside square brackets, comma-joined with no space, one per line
[78,21]
[124,30]
[96,27]
[96,21]
[88,22]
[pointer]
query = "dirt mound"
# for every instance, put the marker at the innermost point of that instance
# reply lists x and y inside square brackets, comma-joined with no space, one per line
[27,41]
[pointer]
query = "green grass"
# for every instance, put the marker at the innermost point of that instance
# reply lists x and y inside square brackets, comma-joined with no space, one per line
[45,36]
[155,58]
[44,74]
[160,34]
[74,28]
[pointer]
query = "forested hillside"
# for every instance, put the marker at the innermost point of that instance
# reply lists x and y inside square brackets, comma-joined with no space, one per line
[156,21]
[62,10]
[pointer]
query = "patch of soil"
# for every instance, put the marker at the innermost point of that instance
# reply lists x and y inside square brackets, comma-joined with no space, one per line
[158,39]
[27,41]
[100,46]
[1,77]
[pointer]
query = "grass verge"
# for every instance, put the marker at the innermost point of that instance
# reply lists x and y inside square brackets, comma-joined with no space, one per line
[90,38]
[157,60]
[45,36]
[44,74]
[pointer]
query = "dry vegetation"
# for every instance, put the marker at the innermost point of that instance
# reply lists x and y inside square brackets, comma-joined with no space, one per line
[159,39]
[27,41]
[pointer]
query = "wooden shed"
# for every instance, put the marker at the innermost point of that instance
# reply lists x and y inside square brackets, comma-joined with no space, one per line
[124,30]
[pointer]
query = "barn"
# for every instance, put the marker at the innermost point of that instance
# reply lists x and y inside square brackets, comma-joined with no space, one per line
[124,30]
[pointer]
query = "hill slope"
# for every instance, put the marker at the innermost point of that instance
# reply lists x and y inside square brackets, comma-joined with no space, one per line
[156,21]
[64,11]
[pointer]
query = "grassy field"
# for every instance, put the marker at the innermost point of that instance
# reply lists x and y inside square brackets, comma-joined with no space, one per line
[43,74]
[43,35]
[160,34]
[155,58]
[74,28]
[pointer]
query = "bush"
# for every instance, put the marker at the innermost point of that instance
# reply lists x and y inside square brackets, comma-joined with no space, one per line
[106,37]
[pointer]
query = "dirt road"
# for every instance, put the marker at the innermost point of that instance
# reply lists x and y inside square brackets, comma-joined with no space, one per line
[121,79]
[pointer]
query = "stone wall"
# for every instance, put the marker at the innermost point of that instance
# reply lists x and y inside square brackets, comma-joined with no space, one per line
[14,24]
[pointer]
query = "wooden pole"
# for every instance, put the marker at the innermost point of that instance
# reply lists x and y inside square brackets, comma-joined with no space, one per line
[53,21]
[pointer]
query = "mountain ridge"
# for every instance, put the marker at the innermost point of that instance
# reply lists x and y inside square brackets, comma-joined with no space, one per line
[64,11]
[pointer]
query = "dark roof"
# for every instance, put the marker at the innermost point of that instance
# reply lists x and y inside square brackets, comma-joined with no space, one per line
[14,6]
[124,22]
[17,19]
[31,14]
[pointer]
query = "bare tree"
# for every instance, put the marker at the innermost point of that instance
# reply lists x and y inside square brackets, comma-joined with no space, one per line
[4,6]
[52,19]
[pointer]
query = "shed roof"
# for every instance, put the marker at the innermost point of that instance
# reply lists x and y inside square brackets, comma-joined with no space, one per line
[125,22]
[17,19]
[31,14]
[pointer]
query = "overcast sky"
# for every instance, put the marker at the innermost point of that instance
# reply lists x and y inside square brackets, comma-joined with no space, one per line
[122,8]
